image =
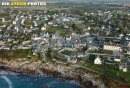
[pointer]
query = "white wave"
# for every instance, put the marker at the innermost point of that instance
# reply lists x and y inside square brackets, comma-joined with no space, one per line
[7,73]
[8,81]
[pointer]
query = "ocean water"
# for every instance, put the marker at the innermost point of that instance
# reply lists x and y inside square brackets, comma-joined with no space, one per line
[17,80]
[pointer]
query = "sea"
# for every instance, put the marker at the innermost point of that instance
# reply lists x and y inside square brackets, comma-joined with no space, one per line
[19,80]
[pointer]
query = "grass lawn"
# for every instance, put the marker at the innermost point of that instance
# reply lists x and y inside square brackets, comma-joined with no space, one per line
[126,75]
[102,52]
[107,52]
[111,71]
[70,53]
[15,53]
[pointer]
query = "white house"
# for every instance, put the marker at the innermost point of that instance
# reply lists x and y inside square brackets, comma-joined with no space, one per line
[98,61]
[2,43]
[128,44]
[55,36]
[31,27]
[121,35]
[87,33]
[71,60]
[68,38]
[3,26]
[22,22]
[55,25]
[80,55]
[35,23]
[89,28]
[128,52]
[46,34]
[50,23]
[117,59]
[120,66]
[3,19]
[66,20]
[125,69]
[43,28]
[36,38]
[14,22]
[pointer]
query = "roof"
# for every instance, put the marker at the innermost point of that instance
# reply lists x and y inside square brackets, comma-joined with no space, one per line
[69,44]
[53,41]
[62,40]
[98,58]
[128,37]
[58,43]
[116,53]
[117,57]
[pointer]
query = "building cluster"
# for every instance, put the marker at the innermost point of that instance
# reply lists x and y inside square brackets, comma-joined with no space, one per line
[40,30]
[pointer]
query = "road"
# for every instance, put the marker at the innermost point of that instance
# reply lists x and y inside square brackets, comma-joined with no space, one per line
[128,60]
[101,54]
[87,68]
[19,22]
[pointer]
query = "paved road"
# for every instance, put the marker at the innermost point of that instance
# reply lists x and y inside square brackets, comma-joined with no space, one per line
[128,60]
[101,54]
[19,22]
[84,67]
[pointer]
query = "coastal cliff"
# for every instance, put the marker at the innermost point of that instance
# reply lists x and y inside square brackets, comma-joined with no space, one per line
[30,66]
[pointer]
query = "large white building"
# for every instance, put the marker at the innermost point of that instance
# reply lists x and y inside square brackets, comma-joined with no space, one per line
[112,48]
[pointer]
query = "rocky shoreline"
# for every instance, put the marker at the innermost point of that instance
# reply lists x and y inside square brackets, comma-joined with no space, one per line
[87,80]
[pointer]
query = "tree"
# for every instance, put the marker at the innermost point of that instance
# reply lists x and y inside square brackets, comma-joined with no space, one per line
[38,56]
[121,28]
[50,19]
[49,53]
[76,28]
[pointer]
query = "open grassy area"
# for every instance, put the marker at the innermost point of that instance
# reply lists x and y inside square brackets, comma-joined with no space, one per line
[52,29]
[70,53]
[102,52]
[126,75]
[14,53]
[109,70]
